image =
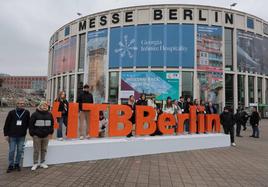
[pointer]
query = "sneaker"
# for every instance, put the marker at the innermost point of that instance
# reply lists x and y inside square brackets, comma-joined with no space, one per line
[252,136]
[9,169]
[43,165]
[35,166]
[256,137]
[81,138]
[233,144]
[87,137]
[60,139]
[17,167]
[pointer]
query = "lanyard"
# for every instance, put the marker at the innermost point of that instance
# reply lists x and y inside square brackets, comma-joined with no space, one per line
[20,115]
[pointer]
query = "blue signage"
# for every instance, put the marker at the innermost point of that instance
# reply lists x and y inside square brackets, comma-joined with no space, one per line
[170,45]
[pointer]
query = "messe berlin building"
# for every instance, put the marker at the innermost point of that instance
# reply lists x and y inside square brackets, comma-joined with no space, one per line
[209,53]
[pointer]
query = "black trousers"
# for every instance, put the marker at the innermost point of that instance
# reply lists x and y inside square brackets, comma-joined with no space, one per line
[229,130]
[238,129]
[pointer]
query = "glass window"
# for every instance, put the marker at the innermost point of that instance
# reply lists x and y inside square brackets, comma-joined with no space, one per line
[266,91]
[241,90]
[64,83]
[250,23]
[251,89]
[71,88]
[80,83]
[67,31]
[58,88]
[113,87]
[229,90]
[228,33]
[82,47]
[187,84]
[259,90]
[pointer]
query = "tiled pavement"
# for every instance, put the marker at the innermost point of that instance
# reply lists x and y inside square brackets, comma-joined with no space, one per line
[244,165]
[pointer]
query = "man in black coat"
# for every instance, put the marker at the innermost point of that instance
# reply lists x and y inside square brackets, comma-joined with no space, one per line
[84,97]
[228,121]
[15,130]
[238,121]
[254,121]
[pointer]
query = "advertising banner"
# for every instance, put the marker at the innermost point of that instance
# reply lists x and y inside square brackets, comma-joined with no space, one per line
[209,48]
[97,63]
[170,45]
[64,56]
[157,84]
[249,51]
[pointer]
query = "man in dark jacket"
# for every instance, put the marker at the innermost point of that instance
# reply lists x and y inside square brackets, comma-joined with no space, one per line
[84,97]
[181,103]
[239,121]
[15,130]
[228,121]
[41,127]
[254,121]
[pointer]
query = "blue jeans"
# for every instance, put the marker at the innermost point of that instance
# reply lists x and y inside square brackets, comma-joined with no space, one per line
[16,144]
[61,121]
[256,131]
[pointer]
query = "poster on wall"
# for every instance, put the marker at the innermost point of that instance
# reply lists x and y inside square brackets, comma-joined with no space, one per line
[159,45]
[64,56]
[97,63]
[154,84]
[249,52]
[210,86]
[209,48]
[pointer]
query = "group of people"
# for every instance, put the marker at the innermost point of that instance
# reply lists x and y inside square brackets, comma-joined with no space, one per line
[240,118]
[41,124]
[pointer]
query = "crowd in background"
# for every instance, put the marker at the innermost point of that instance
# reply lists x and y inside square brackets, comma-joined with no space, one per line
[41,123]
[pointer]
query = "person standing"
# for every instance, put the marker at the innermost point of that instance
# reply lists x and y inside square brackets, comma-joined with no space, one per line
[244,119]
[103,123]
[41,128]
[15,130]
[131,103]
[170,108]
[254,122]
[181,104]
[84,97]
[142,100]
[239,121]
[227,121]
[63,108]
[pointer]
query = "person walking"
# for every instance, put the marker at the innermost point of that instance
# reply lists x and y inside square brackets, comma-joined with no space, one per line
[227,120]
[63,108]
[41,128]
[15,130]
[254,122]
[131,103]
[84,97]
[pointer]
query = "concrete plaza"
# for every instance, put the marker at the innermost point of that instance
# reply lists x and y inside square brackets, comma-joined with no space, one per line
[243,165]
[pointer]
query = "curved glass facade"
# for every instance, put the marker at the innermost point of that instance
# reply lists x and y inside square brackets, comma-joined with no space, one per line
[155,51]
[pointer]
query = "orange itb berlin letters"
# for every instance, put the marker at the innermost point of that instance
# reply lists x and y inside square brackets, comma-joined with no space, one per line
[120,124]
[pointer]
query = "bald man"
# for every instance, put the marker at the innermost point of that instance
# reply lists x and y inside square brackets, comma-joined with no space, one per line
[15,130]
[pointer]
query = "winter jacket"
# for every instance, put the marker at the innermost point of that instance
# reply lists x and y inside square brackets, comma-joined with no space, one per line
[41,124]
[209,111]
[63,107]
[84,97]
[12,127]
[227,119]
[254,118]
[133,109]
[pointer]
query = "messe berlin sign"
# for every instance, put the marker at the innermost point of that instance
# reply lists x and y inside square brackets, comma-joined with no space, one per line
[121,114]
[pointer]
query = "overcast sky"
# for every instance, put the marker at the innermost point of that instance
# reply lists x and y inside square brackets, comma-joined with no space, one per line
[26,26]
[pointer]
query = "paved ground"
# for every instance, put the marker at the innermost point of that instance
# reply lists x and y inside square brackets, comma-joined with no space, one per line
[244,165]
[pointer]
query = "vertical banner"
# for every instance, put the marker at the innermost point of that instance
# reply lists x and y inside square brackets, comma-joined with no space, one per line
[97,63]
[210,63]
[249,52]
[154,84]
[64,56]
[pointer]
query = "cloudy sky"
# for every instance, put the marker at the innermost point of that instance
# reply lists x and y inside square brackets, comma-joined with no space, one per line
[26,26]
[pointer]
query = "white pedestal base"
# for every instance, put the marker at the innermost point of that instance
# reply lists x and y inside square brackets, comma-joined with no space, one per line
[105,148]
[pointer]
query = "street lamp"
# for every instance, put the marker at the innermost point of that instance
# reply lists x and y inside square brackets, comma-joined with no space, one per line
[233,5]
